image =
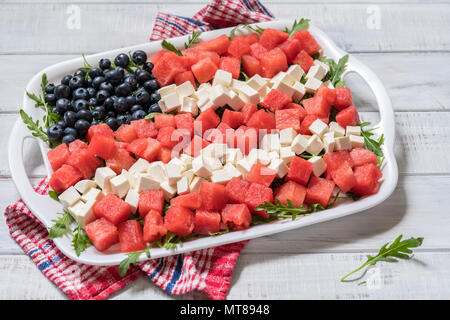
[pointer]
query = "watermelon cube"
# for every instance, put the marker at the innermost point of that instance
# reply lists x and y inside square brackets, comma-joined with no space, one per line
[251,65]
[236,189]
[99,129]
[366,180]
[162,120]
[150,200]
[302,111]
[130,236]
[168,65]
[245,138]
[214,196]
[261,174]
[262,120]
[102,233]
[102,146]
[299,170]
[64,177]
[328,94]
[204,70]
[206,222]
[239,46]
[319,191]
[291,191]
[219,44]
[343,176]
[85,162]
[276,100]
[157,57]
[215,58]
[247,111]
[318,106]
[273,62]
[308,42]
[185,121]
[257,50]
[144,128]
[182,77]
[291,47]
[206,120]
[304,60]
[154,227]
[58,156]
[151,152]
[252,38]
[126,133]
[343,98]
[271,38]
[257,194]
[335,159]
[192,200]
[179,220]
[76,145]
[113,209]
[307,121]
[288,118]
[347,117]
[167,138]
[164,155]
[231,65]
[236,216]
[195,146]
[122,160]
[233,118]
[361,156]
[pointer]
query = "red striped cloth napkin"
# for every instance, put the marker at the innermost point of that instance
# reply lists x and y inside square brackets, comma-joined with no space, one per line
[207,270]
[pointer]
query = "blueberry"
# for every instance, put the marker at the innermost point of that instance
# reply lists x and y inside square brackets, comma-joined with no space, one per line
[79,104]
[108,104]
[102,95]
[91,92]
[50,88]
[84,114]
[82,127]
[76,82]
[120,106]
[63,105]
[50,98]
[148,66]
[139,57]
[111,114]
[94,123]
[66,79]
[71,132]
[124,119]
[131,79]
[70,118]
[122,60]
[155,97]
[61,123]
[99,113]
[97,82]
[140,114]
[113,76]
[112,123]
[55,132]
[154,108]
[88,82]
[106,86]
[80,73]
[54,110]
[151,85]
[123,90]
[92,102]
[62,91]
[80,93]
[131,101]
[95,72]
[136,107]
[68,139]
[142,97]
[104,64]
[143,77]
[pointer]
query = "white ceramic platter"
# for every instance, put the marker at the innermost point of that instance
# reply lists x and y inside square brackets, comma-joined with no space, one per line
[46,209]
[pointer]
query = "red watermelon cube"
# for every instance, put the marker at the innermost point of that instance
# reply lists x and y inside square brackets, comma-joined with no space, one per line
[335,159]
[231,65]
[150,200]
[291,191]
[215,58]
[65,177]
[167,67]
[307,41]
[195,146]
[204,70]
[58,156]
[236,216]
[126,133]
[296,106]
[233,118]
[208,119]
[262,120]
[144,128]
[261,174]
[130,236]
[361,156]
[239,46]
[328,94]
[343,98]
[291,47]
[304,60]
[236,189]
[154,227]
[343,176]
[347,117]
[245,138]
[318,106]
[102,233]
[121,160]
[252,38]
[257,50]
[288,118]
[164,155]
[206,222]
[179,220]
[99,129]
[273,62]
[182,77]
[185,121]
[307,121]
[192,200]
[251,65]
[85,162]
[219,44]
[152,150]
[214,196]
[271,38]
[366,180]
[247,111]
[162,120]
[102,146]
[113,209]
[167,138]
[299,170]
[319,191]
[276,100]
[257,194]
[76,145]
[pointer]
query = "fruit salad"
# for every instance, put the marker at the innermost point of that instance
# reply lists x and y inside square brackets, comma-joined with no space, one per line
[247,128]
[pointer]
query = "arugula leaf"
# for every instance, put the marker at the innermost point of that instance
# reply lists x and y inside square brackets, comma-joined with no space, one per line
[388,253]
[54,195]
[131,259]
[80,240]
[35,98]
[168,46]
[44,82]
[336,70]
[61,226]
[302,24]
[34,127]
[255,28]
[371,144]
[316,207]
[192,39]
[150,115]
[281,210]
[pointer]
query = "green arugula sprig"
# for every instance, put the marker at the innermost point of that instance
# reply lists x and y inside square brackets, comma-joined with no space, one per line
[34,127]
[302,24]
[80,240]
[61,226]
[168,46]
[336,70]
[254,28]
[54,195]
[389,253]
[371,144]
[280,210]
[192,39]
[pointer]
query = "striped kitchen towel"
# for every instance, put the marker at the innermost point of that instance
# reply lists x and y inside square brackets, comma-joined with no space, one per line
[207,270]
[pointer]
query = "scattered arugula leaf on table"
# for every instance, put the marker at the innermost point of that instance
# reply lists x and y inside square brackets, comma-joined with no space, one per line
[302,24]
[61,226]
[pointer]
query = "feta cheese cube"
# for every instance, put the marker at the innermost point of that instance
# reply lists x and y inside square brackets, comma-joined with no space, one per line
[162,106]
[221,176]
[213,163]
[286,154]
[282,77]
[174,169]
[120,185]
[102,177]
[164,91]
[337,129]
[168,190]
[83,213]
[141,165]
[232,170]
[243,166]
[287,136]
[172,101]
[283,87]
[295,71]
[214,150]
[353,130]
[129,177]
[195,184]
[258,155]
[312,85]
[319,165]
[342,143]
[201,168]
[146,182]
[299,91]
[356,141]
[205,104]
[315,145]
[248,94]
[183,185]
[299,144]
[257,82]
[69,197]
[187,160]
[237,84]
[328,141]
[189,105]
[274,155]
[222,77]
[234,101]
[219,95]
[189,174]
[322,64]
[233,155]
[279,166]
[157,170]
[185,89]
[318,127]
[201,93]
[317,71]
[271,142]
[132,199]
[84,185]
[93,194]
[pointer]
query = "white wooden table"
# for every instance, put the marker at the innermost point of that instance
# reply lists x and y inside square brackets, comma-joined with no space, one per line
[409,52]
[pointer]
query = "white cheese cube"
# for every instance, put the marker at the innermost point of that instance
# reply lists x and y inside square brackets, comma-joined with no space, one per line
[279,166]
[319,165]
[271,142]
[69,197]
[93,194]
[201,168]
[342,143]
[221,176]
[120,185]
[189,174]
[132,199]
[312,85]
[183,185]
[189,105]
[234,101]
[282,77]
[172,101]
[315,145]
[157,170]
[287,136]
[286,154]
[299,144]
[195,184]
[337,129]
[233,155]
[299,91]
[141,165]
[174,169]
[205,85]
[185,89]
[84,185]
[146,182]
[102,177]
[328,141]
[274,155]
[317,71]
[222,77]
[187,160]
[214,150]
[295,71]
[201,93]
[243,166]
[237,84]
[162,106]
[129,177]
[258,155]
[164,91]
[168,190]
[213,163]
[257,82]
[283,87]
[83,213]
[356,141]
[207,105]
[219,95]
[248,94]
[353,130]
[318,127]
[324,65]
